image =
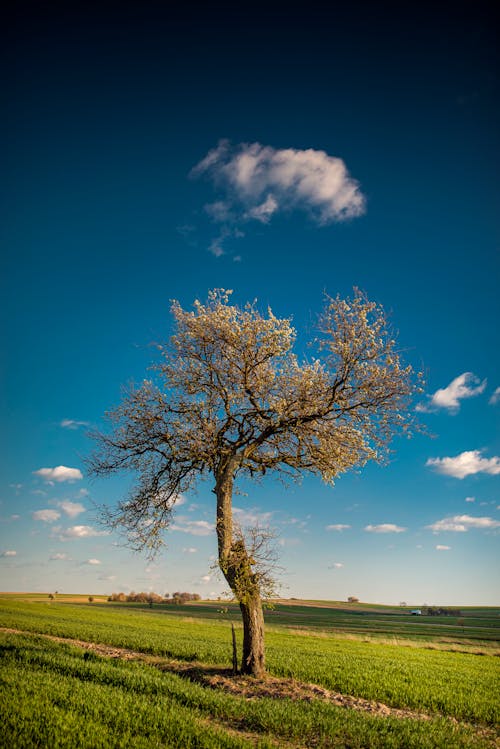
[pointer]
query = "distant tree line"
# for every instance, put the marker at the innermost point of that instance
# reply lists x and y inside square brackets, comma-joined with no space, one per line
[432,611]
[151,598]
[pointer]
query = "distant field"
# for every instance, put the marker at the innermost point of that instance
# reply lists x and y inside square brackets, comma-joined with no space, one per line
[56,694]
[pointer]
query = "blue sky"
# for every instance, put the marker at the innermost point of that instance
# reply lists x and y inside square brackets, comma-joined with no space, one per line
[150,156]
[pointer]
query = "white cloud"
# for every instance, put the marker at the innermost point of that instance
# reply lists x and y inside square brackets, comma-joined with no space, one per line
[465,464]
[466,385]
[385,528]
[72,509]
[78,531]
[252,518]
[93,561]
[73,424]
[206,578]
[259,181]
[59,473]
[462,523]
[194,527]
[9,553]
[190,550]
[337,527]
[495,397]
[440,547]
[59,557]
[470,499]
[336,565]
[48,516]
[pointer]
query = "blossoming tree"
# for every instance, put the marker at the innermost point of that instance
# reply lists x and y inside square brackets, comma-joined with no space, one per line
[231,399]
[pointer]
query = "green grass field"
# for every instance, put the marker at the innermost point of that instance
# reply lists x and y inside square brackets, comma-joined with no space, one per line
[58,694]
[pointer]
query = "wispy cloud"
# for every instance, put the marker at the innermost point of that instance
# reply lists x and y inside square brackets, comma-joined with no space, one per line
[252,518]
[93,562]
[466,385]
[190,550]
[58,474]
[470,499]
[441,547]
[73,424]
[466,464]
[8,553]
[495,397]
[256,182]
[47,516]
[72,509]
[193,527]
[462,523]
[385,528]
[337,527]
[336,566]
[77,531]
[59,557]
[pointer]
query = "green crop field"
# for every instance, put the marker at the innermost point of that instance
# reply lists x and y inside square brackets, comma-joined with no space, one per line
[159,677]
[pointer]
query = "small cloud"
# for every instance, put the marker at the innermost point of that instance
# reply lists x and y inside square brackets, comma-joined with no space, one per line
[17,487]
[495,397]
[73,424]
[337,527]
[257,182]
[72,509]
[466,464]
[252,518]
[58,474]
[47,516]
[93,561]
[194,527]
[190,550]
[385,528]
[336,566]
[470,499]
[78,531]
[9,553]
[462,523]
[109,578]
[206,578]
[441,547]
[466,385]
[59,557]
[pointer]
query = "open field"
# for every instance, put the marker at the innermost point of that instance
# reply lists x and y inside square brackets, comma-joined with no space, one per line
[344,676]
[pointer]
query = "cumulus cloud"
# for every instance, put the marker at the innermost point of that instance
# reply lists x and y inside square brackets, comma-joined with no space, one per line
[78,531]
[9,553]
[206,578]
[495,397]
[194,527]
[93,561]
[441,547]
[73,424]
[47,516]
[337,527]
[462,523]
[72,509]
[466,385]
[58,474]
[385,528]
[470,499]
[258,181]
[465,464]
[59,557]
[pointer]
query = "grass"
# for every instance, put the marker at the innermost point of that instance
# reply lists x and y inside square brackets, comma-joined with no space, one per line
[52,692]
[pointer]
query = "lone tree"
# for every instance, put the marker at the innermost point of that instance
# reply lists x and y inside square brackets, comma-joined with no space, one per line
[231,399]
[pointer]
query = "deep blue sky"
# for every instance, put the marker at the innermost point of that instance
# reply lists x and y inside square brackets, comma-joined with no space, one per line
[106,112]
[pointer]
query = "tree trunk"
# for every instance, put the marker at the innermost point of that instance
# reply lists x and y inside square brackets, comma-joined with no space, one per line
[253,661]
[236,568]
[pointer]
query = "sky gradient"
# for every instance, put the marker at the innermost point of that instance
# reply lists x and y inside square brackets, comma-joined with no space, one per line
[151,155]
